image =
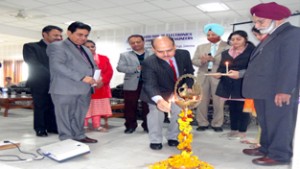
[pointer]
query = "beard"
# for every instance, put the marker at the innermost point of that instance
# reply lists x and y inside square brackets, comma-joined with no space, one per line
[269,29]
[214,39]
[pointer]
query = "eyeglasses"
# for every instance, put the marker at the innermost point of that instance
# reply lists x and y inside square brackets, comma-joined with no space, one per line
[259,21]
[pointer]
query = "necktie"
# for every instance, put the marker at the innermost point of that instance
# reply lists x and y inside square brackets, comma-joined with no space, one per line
[82,54]
[213,50]
[173,69]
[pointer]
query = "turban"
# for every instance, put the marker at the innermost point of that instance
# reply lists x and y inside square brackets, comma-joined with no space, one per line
[216,28]
[270,10]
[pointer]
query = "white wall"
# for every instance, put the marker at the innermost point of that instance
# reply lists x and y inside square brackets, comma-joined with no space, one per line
[113,42]
[11,52]
[296,150]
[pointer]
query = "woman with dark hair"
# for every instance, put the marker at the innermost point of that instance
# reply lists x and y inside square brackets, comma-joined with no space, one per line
[229,88]
[100,102]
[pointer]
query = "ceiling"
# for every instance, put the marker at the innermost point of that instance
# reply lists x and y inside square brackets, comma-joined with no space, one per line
[22,20]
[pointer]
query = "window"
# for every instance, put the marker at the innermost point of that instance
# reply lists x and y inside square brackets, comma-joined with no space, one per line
[17,70]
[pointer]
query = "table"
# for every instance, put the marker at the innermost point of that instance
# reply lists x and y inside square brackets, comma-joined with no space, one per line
[10,102]
[119,106]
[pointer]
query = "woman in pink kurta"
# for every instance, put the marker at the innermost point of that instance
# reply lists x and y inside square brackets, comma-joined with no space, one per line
[100,102]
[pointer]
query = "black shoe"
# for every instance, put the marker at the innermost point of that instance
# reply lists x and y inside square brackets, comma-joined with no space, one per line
[129,131]
[202,128]
[87,140]
[156,146]
[41,133]
[52,131]
[146,130]
[173,143]
[217,129]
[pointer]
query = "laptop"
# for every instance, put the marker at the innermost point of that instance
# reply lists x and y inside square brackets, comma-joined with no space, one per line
[64,150]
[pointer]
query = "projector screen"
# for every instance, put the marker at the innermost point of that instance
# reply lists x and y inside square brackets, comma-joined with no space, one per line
[247,26]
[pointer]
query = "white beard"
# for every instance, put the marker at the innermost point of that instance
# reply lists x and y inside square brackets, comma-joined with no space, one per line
[269,29]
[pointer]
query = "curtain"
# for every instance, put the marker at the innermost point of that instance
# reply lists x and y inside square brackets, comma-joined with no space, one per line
[18,71]
[13,69]
[8,70]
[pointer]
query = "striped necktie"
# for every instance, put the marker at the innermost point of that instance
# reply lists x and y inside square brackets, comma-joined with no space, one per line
[213,50]
[83,54]
[173,69]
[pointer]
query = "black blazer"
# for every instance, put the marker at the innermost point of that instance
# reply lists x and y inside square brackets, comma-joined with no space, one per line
[35,56]
[158,76]
[274,65]
[232,88]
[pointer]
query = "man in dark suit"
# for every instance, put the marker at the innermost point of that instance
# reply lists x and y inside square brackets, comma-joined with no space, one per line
[272,80]
[35,56]
[160,72]
[72,67]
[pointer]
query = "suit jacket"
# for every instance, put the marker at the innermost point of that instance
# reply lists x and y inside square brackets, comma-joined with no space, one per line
[158,76]
[68,68]
[128,62]
[202,68]
[274,65]
[35,56]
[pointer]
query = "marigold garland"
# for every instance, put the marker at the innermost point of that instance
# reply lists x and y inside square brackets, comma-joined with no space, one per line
[185,160]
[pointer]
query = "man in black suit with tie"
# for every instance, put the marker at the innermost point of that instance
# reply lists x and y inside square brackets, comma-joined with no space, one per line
[160,72]
[35,56]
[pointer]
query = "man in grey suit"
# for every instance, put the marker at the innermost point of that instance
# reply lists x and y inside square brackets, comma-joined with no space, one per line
[72,68]
[160,72]
[272,80]
[207,57]
[130,64]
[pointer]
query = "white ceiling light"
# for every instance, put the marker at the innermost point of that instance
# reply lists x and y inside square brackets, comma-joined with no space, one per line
[213,7]
[69,22]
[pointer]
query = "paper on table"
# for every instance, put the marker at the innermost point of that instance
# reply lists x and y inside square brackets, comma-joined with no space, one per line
[97,75]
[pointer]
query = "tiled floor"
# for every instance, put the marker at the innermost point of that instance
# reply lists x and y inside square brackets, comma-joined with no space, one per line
[116,150]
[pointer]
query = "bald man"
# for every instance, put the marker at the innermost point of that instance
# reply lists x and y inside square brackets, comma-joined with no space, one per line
[160,72]
[272,80]
[207,58]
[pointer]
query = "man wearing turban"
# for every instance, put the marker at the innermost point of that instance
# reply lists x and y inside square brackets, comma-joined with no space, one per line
[272,80]
[207,58]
